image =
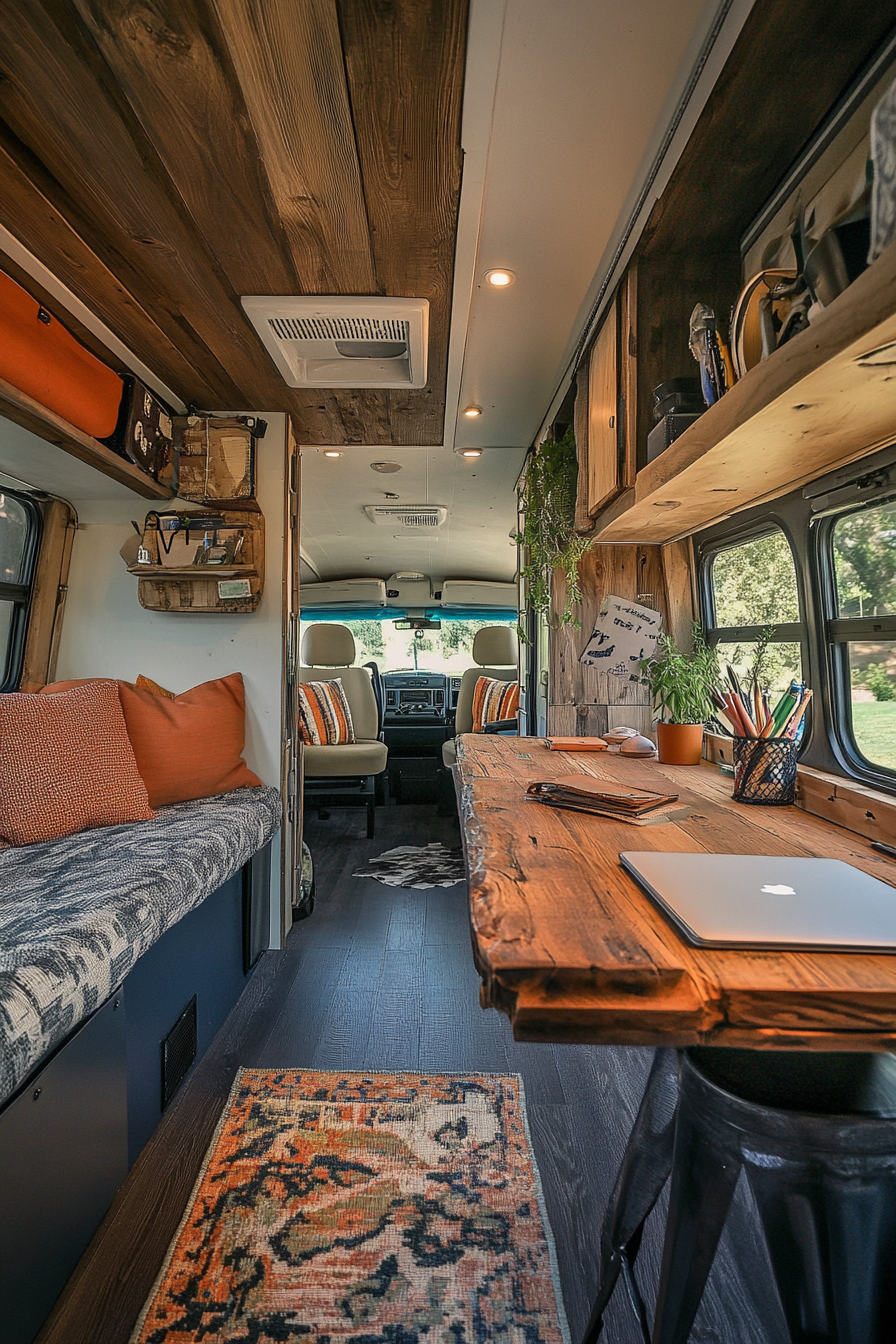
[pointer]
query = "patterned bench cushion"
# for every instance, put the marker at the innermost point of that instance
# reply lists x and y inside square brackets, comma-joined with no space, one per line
[75,914]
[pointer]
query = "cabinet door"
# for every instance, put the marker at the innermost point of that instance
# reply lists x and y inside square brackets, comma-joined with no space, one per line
[63,1155]
[605,409]
[603,416]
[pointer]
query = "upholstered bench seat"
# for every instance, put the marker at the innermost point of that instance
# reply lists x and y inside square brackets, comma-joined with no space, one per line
[76,914]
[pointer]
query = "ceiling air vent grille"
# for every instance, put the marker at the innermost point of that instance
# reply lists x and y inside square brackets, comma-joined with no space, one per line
[416,517]
[344,342]
[339,329]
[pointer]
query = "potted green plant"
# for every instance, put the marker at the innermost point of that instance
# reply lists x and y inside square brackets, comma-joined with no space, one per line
[680,684]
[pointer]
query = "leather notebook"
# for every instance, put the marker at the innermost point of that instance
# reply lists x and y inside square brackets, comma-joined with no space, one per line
[600,797]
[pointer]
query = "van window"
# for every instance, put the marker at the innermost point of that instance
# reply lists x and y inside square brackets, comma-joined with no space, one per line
[863,546]
[19,537]
[448,650]
[753,588]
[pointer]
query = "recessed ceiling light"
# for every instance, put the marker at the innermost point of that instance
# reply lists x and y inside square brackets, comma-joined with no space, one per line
[385,467]
[470,452]
[471,412]
[500,278]
[332,452]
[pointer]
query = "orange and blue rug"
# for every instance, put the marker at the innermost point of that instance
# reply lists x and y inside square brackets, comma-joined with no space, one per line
[363,1208]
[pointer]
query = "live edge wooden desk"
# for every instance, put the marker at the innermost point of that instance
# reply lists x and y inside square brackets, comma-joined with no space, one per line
[571,949]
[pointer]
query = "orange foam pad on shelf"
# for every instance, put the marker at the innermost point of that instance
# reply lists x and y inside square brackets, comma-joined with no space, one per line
[43,360]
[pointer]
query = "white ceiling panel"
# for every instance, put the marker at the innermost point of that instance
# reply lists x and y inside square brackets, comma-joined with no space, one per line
[340,541]
[580,87]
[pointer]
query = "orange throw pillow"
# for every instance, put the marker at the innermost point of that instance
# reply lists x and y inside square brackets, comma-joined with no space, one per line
[190,746]
[146,684]
[66,764]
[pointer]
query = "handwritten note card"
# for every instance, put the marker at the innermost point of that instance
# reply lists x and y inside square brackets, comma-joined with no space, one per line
[624,634]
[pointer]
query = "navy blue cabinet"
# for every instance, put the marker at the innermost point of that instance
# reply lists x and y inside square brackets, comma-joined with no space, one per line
[70,1136]
[202,955]
[63,1155]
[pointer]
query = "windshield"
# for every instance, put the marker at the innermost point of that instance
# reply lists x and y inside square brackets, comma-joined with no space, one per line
[448,650]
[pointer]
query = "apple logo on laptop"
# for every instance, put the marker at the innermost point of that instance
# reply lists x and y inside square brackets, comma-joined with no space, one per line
[777,889]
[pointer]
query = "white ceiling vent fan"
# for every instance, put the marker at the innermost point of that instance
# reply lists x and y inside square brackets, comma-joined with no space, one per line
[344,342]
[412,517]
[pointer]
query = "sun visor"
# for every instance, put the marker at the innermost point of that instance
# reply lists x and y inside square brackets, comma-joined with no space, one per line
[344,592]
[475,593]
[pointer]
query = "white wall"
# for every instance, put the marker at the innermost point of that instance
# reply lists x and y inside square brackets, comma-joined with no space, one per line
[106,633]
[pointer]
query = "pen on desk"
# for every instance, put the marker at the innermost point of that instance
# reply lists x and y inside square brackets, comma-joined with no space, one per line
[884,849]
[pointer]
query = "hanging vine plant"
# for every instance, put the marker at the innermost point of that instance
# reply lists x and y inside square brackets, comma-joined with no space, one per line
[547,496]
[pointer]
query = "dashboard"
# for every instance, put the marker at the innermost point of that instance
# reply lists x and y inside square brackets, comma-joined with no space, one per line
[419,698]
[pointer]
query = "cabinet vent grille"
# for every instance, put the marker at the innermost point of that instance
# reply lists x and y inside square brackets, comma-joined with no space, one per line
[178,1051]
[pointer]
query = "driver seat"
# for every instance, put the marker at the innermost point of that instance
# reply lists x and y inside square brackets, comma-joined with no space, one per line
[496,653]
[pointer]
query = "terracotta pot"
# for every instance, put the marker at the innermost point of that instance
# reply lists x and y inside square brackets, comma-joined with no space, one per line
[680,743]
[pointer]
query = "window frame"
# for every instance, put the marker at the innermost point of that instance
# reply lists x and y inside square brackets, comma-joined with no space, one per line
[841,631]
[20,594]
[786,632]
[807,518]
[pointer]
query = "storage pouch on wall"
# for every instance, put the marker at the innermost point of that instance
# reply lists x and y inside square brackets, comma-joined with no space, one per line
[43,360]
[144,434]
[217,457]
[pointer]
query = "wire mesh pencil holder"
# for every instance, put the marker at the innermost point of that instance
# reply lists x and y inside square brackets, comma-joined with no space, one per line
[765,770]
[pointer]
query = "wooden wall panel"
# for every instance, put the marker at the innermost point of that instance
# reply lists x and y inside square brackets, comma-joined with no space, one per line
[163,159]
[170,61]
[678,580]
[59,99]
[48,596]
[289,62]
[582,695]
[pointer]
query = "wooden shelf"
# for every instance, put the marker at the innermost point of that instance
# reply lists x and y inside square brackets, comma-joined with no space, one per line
[808,408]
[158,572]
[28,413]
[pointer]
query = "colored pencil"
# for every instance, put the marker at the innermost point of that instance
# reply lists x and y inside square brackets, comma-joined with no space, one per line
[751,715]
[790,730]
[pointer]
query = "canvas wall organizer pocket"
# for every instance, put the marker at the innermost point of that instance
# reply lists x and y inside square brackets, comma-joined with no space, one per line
[218,456]
[201,561]
[208,558]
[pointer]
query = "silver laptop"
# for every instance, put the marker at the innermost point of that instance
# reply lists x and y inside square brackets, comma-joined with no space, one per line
[750,901]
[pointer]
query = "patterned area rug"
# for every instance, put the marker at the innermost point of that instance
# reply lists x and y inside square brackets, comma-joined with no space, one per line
[363,1208]
[417,866]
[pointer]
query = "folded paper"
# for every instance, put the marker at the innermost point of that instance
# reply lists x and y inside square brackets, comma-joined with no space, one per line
[625,633]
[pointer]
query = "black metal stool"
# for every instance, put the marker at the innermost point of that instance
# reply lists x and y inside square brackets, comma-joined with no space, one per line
[823,1178]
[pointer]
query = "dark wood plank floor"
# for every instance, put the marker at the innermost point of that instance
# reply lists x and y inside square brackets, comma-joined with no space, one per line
[382,978]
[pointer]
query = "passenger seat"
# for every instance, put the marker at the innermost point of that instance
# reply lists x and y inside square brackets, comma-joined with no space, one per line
[328,650]
[495,650]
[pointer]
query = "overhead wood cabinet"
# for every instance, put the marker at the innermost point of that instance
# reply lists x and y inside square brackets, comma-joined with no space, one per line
[823,398]
[604,410]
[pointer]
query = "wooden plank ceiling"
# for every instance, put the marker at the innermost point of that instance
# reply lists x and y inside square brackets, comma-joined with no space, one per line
[164,157]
